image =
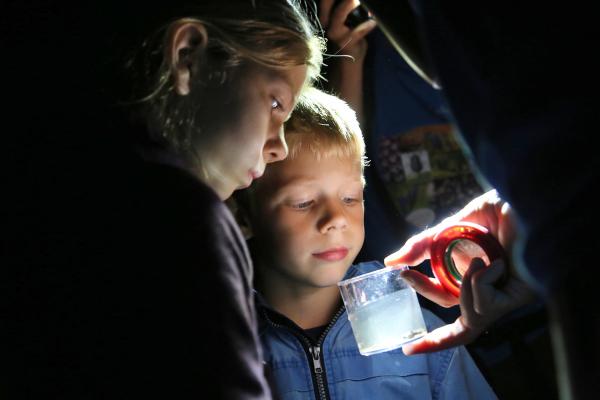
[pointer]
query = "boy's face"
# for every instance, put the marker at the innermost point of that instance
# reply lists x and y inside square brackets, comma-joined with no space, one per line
[310,218]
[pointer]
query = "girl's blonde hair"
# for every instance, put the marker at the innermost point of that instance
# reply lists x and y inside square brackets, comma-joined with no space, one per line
[242,34]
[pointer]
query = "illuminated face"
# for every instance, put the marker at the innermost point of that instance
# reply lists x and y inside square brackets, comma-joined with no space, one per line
[311,215]
[243,149]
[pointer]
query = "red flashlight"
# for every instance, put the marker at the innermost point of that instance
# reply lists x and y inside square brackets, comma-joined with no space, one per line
[444,266]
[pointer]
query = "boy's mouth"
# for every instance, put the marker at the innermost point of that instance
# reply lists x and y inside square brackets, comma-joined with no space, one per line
[334,254]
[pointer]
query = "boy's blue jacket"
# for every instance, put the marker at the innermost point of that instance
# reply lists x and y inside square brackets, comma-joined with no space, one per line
[333,368]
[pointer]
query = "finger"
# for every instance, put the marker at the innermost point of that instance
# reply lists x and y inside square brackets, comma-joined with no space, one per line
[363,30]
[341,12]
[325,12]
[507,230]
[447,336]
[429,288]
[468,312]
[414,251]
[491,274]
[484,289]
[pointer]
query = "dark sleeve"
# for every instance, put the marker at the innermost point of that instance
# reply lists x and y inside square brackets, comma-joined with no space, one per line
[235,329]
[210,346]
[154,301]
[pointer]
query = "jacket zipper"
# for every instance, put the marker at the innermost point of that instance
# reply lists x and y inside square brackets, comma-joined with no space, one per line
[314,353]
[321,389]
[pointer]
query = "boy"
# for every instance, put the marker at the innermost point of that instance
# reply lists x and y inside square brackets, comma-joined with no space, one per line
[307,217]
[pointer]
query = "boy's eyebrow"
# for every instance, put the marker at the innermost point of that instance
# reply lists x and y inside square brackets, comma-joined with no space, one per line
[296,181]
[304,181]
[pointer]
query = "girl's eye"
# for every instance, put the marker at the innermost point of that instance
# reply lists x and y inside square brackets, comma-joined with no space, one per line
[275,104]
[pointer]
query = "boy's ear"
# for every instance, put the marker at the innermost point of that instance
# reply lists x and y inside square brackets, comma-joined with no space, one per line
[187,40]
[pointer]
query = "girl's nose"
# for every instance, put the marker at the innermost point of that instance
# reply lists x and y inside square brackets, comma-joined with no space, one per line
[275,149]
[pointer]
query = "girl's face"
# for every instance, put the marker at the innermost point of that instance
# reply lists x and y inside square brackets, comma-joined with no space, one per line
[255,138]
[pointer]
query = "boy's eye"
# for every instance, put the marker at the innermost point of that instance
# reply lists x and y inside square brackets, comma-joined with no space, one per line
[275,104]
[350,200]
[302,205]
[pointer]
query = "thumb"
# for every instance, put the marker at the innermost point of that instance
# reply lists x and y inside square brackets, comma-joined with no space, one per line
[363,30]
[414,251]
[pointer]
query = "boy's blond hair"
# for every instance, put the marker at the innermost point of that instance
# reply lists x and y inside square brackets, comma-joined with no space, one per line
[325,125]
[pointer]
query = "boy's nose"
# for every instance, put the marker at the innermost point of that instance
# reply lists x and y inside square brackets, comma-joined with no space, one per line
[275,149]
[334,217]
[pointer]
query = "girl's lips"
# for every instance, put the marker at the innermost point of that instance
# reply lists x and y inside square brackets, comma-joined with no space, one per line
[336,254]
[252,175]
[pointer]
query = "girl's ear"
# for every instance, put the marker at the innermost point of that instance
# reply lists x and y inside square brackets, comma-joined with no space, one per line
[186,41]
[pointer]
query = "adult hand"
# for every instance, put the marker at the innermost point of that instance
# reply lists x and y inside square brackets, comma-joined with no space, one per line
[350,41]
[481,302]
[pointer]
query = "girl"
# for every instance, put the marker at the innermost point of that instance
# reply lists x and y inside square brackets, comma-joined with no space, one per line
[154,295]
[214,111]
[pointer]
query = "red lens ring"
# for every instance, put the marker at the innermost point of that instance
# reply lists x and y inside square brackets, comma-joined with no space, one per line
[463,230]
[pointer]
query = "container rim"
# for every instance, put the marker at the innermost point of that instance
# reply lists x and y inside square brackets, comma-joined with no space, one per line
[371,274]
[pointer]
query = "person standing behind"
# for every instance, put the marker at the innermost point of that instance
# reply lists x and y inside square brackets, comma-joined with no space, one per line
[528,133]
